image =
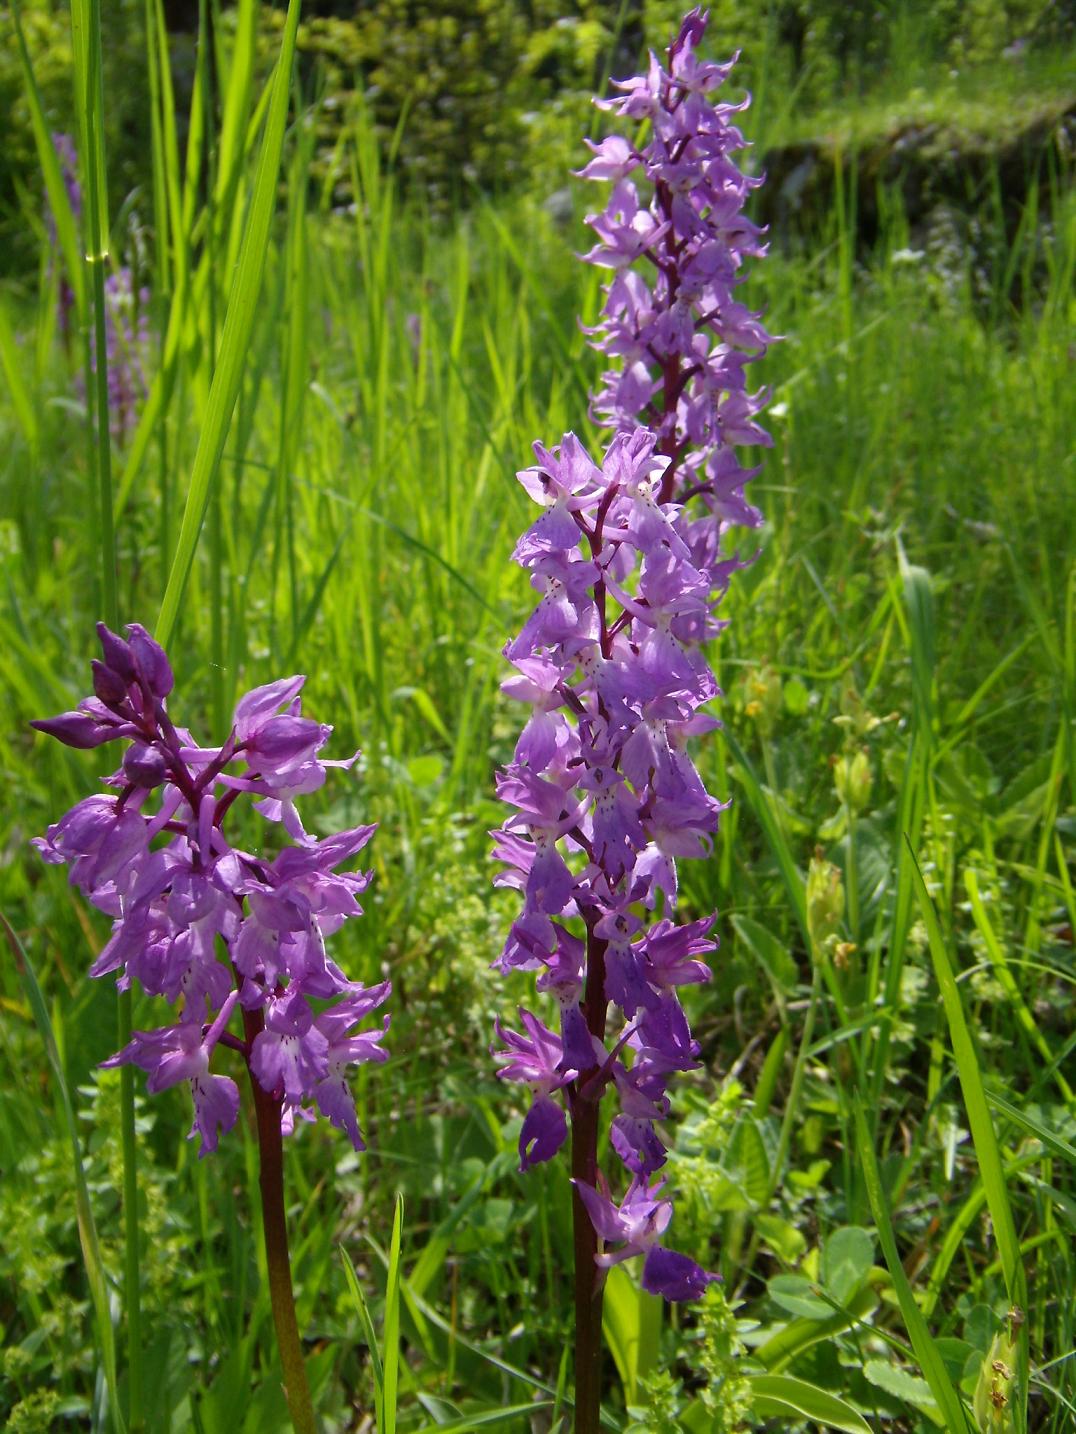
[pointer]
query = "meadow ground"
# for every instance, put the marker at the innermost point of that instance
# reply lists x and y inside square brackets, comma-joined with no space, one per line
[877,1152]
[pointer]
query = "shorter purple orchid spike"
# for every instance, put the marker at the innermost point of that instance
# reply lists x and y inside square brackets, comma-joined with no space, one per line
[154,857]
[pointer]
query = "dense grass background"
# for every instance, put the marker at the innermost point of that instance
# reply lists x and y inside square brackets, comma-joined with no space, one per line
[912,608]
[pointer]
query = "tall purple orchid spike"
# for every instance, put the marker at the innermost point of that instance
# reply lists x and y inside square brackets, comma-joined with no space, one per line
[629,559]
[222,932]
[675,237]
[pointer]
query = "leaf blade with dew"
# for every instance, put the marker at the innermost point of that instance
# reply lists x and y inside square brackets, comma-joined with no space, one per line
[238,327]
[87,1227]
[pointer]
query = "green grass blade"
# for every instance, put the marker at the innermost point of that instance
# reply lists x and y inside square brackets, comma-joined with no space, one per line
[996,952]
[11,364]
[370,1335]
[392,1321]
[980,1124]
[487,1417]
[48,160]
[238,327]
[957,1419]
[1049,1138]
[763,809]
[87,1228]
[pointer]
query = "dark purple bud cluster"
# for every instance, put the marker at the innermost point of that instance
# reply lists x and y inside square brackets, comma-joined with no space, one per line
[629,562]
[206,924]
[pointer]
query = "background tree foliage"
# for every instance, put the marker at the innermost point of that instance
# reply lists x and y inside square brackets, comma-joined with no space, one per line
[475,93]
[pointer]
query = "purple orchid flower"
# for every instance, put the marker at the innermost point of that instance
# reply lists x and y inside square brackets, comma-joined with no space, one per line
[219,930]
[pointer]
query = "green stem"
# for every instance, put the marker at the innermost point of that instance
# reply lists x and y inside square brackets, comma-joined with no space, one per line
[852,874]
[271,1185]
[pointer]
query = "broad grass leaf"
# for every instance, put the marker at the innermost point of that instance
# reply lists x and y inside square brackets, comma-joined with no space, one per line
[770,953]
[796,1294]
[747,1151]
[780,1396]
[847,1257]
[631,1323]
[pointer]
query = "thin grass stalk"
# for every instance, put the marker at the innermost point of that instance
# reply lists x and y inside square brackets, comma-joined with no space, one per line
[92,88]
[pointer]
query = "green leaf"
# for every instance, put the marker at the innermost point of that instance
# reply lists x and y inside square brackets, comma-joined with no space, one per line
[795,696]
[780,1396]
[480,1418]
[799,1334]
[772,955]
[901,1384]
[371,1338]
[631,1323]
[796,1294]
[847,1257]
[1050,1138]
[11,362]
[781,1235]
[747,1155]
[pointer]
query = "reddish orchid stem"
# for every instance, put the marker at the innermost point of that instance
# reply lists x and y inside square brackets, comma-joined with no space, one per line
[589,1282]
[267,1110]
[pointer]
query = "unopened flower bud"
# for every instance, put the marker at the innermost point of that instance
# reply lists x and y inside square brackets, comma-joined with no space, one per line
[853,779]
[153,666]
[825,899]
[117,654]
[74,729]
[144,766]
[108,685]
[763,689]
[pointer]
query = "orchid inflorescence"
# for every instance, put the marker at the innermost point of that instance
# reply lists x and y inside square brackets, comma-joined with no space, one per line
[628,557]
[204,923]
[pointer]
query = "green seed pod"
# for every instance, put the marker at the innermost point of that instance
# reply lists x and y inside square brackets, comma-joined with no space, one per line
[825,900]
[993,1401]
